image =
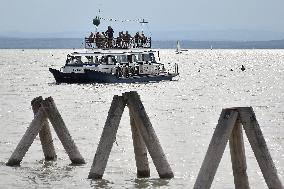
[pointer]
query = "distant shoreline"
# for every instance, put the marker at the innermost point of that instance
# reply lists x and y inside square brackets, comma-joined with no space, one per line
[70,43]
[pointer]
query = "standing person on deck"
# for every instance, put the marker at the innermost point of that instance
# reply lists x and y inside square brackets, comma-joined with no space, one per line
[127,38]
[109,34]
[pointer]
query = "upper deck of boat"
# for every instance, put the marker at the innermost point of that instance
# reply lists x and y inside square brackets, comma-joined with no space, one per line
[112,52]
[118,43]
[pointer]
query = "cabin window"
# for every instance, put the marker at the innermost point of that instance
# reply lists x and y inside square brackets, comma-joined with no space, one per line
[122,59]
[129,58]
[152,57]
[146,57]
[96,60]
[103,60]
[134,59]
[140,58]
[111,60]
[76,60]
[87,59]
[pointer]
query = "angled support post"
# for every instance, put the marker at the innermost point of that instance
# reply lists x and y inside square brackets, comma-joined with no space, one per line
[140,151]
[238,157]
[107,138]
[27,139]
[148,134]
[62,131]
[259,147]
[216,149]
[44,133]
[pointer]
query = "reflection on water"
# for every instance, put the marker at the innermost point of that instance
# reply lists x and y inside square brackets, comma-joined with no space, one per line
[183,113]
[150,183]
[101,183]
[48,172]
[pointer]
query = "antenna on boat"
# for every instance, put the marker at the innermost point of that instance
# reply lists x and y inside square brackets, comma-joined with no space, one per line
[144,22]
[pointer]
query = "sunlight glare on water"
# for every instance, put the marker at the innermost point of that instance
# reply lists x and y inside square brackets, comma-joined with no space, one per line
[184,114]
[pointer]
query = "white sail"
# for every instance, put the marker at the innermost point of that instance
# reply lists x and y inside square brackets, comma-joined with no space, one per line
[178,50]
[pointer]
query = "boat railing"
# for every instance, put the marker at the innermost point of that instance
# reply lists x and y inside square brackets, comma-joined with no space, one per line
[117,43]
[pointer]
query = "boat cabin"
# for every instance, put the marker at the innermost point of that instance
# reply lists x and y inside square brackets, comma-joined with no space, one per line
[139,62]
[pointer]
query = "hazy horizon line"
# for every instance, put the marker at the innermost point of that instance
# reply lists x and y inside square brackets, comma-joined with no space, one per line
[157,40]
[164,35]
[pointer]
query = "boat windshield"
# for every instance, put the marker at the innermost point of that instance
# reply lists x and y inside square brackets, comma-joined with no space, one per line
[79,60]
[73,60]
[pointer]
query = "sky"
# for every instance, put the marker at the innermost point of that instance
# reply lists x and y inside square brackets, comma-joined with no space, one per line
[190,19]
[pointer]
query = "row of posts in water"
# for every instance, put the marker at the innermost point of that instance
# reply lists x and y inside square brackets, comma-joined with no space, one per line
[229,128]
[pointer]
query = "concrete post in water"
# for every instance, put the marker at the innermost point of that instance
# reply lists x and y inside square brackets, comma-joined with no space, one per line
[140,151]
[62,131]
[107,138]
[259,147]
[216,149]
[27,139]
[150,138]
[44,133]
[238,157]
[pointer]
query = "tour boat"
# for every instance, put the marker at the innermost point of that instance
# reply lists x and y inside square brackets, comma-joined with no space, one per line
[115,60]
[114,66]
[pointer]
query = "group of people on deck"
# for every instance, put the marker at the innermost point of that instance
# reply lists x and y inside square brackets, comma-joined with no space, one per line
[123,40]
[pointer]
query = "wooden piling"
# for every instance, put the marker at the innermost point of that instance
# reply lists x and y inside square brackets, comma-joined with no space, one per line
[140,151]
[44,133]
[259,147]
[107,138]
[216,149]
[148,134]
[62,131]
[27,139]
[238,157]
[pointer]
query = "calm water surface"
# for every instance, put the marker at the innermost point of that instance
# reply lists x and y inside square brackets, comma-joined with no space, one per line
[184,114]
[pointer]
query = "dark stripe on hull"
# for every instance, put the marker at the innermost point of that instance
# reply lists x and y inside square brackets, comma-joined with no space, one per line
[91,76]
[69,77]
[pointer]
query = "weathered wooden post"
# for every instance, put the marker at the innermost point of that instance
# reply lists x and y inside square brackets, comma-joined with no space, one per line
[27,139]
[140,151]
[44,133]
[238,157]
[216,149]
[259,147]
[229,125]
[107,138]
[62,131]
[149,136]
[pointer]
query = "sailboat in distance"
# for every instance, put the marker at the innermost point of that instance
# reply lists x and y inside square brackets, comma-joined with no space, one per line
[178,49]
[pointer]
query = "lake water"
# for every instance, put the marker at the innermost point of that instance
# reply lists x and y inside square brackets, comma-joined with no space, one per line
[184,114]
